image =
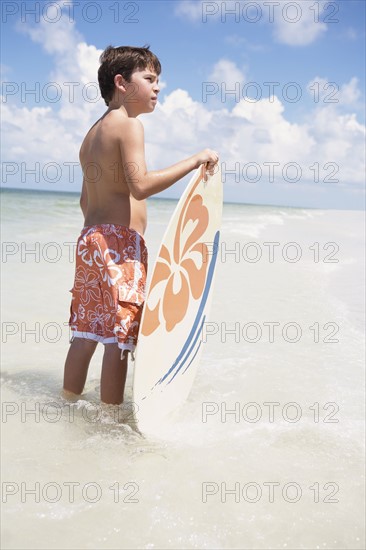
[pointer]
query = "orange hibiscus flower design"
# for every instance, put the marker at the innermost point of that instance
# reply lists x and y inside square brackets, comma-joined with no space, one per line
[182,274]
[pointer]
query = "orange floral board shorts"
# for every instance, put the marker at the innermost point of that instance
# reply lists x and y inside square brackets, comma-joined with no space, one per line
[109,286]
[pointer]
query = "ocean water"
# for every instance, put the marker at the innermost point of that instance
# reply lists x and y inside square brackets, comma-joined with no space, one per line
[266,453]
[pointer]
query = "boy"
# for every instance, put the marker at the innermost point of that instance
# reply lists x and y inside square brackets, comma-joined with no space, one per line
[111,256]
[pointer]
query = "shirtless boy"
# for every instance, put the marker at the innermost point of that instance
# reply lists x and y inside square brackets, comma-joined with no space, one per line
[111,255]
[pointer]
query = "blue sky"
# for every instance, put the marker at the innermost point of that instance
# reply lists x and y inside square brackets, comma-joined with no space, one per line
[292,133]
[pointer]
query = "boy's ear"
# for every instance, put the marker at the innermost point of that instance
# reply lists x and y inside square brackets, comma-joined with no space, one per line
[120,82]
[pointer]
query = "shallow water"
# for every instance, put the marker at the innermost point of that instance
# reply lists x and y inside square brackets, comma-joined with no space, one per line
[268,450]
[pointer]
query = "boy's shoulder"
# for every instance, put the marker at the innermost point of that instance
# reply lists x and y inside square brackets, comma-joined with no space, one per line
[121,118]
[120,122]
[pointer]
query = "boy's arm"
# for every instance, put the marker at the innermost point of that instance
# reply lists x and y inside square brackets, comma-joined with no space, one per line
[142,183]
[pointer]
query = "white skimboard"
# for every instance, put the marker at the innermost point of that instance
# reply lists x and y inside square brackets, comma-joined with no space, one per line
[178,302]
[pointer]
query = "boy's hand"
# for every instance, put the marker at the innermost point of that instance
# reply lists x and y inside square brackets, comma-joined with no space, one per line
[209,159]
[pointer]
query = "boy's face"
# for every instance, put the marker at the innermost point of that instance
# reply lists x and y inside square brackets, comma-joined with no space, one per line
[142,91]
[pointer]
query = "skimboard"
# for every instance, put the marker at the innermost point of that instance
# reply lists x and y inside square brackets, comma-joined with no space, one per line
[177,302]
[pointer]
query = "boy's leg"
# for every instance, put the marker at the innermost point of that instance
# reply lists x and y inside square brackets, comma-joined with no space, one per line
[114,372]
[77,364]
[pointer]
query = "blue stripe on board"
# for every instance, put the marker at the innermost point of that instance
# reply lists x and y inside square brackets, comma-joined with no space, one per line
[189,364]
[183,356]
[185,359]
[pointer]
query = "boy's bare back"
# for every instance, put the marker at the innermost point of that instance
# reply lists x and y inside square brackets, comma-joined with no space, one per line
[106,194]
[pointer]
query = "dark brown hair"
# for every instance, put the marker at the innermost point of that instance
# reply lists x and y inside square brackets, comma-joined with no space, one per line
[123,60]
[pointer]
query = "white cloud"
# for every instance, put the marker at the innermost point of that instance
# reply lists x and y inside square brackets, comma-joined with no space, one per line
[224,82]
[297,24]
[340,139]
[46,138]
[350,92]
[189,9]
[293,23]
[226,71]
[259,133]
[175,127]
[324,91]
[87,58]
[285,142]
[54,133]
[58,37]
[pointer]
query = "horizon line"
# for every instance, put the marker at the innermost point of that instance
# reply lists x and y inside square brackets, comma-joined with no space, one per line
[155,197]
